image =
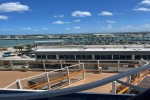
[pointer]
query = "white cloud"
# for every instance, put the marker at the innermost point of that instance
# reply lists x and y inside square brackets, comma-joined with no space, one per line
[44,28]
[3,17]
[13,7]
[35,30]
[128,27]
[61,22]
[77,27]
[28,28]
[142,9]
[67,28]
[81,14]
[146,2]
[145,26]
[111,21]
[77,20]
[105,13]
[59,16]
[9,29]
[109,26]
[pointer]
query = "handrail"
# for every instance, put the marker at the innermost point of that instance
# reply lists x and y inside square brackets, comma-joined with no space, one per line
[75,89]
[133,83]
[56,80]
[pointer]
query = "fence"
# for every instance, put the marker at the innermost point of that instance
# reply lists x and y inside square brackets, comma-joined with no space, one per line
[51,80]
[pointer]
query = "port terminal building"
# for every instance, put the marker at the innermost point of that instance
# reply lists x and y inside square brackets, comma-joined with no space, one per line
[93,56]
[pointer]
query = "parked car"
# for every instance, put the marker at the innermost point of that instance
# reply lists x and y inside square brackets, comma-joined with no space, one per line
[24,56]
[6,55]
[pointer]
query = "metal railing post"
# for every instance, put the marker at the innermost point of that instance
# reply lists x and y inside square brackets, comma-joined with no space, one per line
[114,86]
[68,75]
[47,76]
[19,85]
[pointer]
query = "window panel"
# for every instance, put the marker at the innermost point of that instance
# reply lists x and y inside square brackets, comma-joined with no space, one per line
[128,56]
[115,56]
[89,56]
[97,56]
[103,57]
[137,57]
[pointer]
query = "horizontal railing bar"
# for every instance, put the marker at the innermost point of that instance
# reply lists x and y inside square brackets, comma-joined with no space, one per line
[132,86]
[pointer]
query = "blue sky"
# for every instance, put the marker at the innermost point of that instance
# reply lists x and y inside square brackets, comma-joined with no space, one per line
[73,16]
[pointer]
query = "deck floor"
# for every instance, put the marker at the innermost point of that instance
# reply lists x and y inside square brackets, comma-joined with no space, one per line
[8,77]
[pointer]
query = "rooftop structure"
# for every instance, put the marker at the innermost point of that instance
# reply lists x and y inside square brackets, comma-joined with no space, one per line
[93,52]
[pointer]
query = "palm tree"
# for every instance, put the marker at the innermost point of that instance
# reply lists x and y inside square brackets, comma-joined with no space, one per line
[20,48]
[28,47]
[15,47]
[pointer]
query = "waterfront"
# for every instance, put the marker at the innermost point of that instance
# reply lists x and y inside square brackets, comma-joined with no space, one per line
[90,39]
[10,43]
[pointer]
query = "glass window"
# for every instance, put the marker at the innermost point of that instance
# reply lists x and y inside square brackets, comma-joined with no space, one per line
[109,56]
[43,56]
[89,56]
[48,56]
[39,57]
[122,57]
[128,56]
[83,56]
[137,57]
[66,56]
[144,57]
[148,57]
[78,56]
[61,56]
[53,56]
[103,57]
[97,56]
[115,56]
[72,57]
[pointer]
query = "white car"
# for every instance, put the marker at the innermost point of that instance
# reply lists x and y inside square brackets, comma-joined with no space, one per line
[24,56]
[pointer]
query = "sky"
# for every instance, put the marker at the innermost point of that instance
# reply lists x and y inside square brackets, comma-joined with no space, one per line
[73,16]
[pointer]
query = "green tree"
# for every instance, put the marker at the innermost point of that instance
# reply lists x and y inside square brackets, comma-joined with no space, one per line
[28,47]
[15,47]
[20,48]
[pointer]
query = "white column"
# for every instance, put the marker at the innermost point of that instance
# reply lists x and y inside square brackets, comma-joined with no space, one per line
[93,57]
[97,63]
[47,76]
[44,65]
[68,75]
[61,65]
[114,86]
[83,70]
[118,65]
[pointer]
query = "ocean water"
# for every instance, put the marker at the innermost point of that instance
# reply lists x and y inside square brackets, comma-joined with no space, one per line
[9,43]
